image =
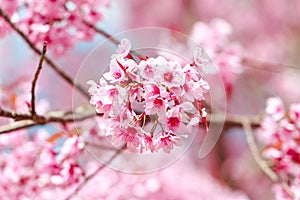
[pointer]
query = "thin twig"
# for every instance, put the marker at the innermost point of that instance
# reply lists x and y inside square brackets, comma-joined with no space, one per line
[266,66]
[57,69]
[107,36]
[91,176]
[258,159]
[36,75]
[101,32]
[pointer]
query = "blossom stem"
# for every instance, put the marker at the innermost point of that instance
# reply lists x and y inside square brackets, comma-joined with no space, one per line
[154,127]
[144,121]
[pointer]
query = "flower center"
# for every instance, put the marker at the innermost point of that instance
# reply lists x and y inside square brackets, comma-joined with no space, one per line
[168,77]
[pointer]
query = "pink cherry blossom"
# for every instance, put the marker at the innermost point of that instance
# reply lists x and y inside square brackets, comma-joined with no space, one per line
[226,54]
[155,104]
[280,133]
[174,118]
[275,108]
[147,101]
[60,23]
[146,70]
[294,114]
[34,165]
[104,96]
[213,37]
[123,49]
[117,72]
[169,141]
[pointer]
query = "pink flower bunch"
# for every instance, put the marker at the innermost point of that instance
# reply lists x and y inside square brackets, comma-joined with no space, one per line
[227,55]
[30,164]
[280,131]
[61,169]
[149,103]
[59,22]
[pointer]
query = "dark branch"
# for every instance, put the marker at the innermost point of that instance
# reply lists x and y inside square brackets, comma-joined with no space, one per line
[14,115]
[36,75]
[25,121]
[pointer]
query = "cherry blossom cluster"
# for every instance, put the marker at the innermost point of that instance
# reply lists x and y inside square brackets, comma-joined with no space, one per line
[58,22]
[31,164]
[280,131]
[225,54]
[149,103]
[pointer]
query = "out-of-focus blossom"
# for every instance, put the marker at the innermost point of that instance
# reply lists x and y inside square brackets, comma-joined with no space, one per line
[214,38]
[280,133]
[30,165]
[138,15]
[196,184]
[263,27]
[60,23]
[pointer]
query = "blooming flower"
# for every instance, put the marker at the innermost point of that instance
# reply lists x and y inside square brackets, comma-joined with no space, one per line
[146,101]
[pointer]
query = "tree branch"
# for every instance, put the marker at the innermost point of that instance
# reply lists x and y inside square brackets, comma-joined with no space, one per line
[91,176]
[101,32]
[82,114]
[233,119]
[51,117]
[57,69]
[36,75]
[265,66]
[14,115]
